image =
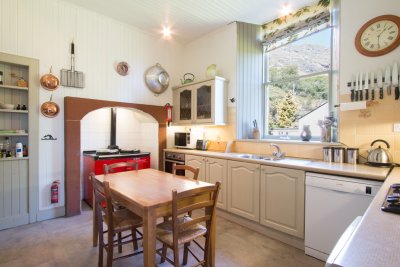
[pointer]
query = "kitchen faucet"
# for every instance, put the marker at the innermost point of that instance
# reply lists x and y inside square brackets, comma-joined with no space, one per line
[278,154]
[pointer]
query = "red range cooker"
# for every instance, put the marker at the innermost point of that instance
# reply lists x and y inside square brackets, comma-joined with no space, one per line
[93,161]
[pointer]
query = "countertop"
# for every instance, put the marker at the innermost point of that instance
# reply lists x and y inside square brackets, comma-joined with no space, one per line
[310,165]
[375,242]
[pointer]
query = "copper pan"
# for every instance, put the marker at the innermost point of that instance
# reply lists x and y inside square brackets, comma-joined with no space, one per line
[50,109]
[49,81]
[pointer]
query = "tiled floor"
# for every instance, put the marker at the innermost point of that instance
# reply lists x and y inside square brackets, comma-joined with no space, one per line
[68,242]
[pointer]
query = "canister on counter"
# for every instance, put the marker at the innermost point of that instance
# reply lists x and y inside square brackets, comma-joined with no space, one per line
[339,154]
[352,155]
[328,153]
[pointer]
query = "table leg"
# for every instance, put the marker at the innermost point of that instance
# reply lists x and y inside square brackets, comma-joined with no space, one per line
[95,229]
[149,238]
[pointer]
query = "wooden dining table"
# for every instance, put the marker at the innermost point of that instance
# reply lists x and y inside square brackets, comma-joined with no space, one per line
[148,193]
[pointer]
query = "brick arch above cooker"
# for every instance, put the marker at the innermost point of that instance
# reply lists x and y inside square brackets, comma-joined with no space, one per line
[74,110]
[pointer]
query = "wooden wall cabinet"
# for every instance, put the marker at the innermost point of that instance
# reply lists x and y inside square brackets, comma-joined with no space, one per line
[244,189]
[19,176]
[203,102]
[282,199]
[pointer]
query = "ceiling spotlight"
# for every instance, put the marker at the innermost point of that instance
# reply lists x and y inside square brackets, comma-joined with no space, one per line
[286,10]
[166,32]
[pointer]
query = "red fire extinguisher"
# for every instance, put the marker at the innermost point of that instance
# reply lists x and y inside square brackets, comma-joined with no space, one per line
[168,108]
[54,191]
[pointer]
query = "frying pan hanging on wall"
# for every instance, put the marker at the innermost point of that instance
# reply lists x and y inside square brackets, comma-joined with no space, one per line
[157,79]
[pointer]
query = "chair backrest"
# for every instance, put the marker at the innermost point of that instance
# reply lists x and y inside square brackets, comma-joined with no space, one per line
[194,171]
[102,200]
[125,165]
[203,199]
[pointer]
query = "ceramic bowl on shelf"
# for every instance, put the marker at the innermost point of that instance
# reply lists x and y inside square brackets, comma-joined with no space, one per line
[6,106]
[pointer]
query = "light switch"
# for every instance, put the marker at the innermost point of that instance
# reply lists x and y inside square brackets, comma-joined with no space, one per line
[396,127]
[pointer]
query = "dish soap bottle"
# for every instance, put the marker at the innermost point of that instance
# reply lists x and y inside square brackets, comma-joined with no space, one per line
[18,150]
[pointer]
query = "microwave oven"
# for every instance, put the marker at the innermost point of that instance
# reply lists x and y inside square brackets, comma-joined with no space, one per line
[183,140]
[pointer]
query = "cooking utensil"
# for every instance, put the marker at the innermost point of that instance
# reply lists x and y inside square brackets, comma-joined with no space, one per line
[187,78]
[351,86]
[356,89]
[360,89]
[372,86]
[387,80]
[380,84]
[395,81]
[50,109]
[379,156]
[49,81]
[72,78]
[157,79]
[366,86]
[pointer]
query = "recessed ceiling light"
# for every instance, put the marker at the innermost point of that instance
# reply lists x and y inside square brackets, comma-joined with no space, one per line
[166,32]
[286,9]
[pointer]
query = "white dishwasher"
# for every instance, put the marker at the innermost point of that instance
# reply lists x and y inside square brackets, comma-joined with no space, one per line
[332,203]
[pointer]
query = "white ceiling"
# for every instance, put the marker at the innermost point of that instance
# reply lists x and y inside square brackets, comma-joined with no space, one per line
[189,19]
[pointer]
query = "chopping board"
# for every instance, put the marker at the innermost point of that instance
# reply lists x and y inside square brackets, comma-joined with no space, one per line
[216,145]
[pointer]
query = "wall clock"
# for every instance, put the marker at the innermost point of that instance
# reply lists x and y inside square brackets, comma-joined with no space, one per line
[378,36]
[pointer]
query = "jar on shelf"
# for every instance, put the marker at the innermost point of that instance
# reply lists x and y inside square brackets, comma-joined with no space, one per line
[1,77]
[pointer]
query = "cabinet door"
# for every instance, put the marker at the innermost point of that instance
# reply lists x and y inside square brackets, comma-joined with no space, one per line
[282,200]
[216,170]
[196,162]
[183,103]
[244,189]
[204,102]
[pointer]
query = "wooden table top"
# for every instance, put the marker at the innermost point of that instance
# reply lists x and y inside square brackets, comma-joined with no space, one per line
[148,187]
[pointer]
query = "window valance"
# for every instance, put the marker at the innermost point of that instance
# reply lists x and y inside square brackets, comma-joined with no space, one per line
[296,25]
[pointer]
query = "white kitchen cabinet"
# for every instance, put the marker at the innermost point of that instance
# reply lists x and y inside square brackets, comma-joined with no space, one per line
[282,199]
[211,171]
[216,170]
[244,189]
[19,176]
[202,102]
[196,162]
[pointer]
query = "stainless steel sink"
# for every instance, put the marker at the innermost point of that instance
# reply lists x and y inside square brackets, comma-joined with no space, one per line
[252,156]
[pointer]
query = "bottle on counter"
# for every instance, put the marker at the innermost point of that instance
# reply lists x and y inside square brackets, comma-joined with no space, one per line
[1,77]
[18,150]
[7,147]
[24,151]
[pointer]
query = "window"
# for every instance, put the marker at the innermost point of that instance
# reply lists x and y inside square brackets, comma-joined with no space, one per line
[297,86]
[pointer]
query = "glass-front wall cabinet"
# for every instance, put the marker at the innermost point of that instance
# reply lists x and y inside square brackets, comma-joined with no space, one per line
[203,97]
[185,108]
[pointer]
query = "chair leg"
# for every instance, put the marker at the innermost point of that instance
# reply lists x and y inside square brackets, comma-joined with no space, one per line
[119,242]
[207,250]
[176,256]
[110,249]
[134,239]
[185,253]
[164,253]
[101,248]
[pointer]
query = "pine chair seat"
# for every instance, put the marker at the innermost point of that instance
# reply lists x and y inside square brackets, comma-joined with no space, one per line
[124,220]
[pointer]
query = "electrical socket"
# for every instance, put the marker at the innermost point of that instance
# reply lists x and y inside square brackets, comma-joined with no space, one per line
[396,127]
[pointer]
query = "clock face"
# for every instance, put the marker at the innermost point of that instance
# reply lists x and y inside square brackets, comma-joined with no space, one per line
[378,36]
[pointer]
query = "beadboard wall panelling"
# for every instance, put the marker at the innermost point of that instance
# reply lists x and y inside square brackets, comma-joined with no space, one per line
[249,79]
[44,29]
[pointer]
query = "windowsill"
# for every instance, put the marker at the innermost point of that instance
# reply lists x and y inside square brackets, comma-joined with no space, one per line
[294,142]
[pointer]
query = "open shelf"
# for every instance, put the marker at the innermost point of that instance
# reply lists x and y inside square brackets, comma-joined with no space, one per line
[13,111]
[13,134]
[13,158]
[13,87]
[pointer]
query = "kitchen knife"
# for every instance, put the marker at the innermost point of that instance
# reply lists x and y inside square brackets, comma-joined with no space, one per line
[395,81]
[366,86]
[387,80]
[372,86]
[379,82]
[360,89]
[356,89]
[351,86]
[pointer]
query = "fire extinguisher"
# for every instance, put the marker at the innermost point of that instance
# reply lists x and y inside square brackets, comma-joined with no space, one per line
[168,108]
[54,191]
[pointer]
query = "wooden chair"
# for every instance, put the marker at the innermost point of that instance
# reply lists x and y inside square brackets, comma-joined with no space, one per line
[191,169]
[183,229]
[126,165]
[117,221]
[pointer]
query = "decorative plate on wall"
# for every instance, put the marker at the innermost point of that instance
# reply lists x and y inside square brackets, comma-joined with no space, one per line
[123,68]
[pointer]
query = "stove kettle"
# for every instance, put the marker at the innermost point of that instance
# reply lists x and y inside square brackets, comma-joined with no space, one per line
[379,156]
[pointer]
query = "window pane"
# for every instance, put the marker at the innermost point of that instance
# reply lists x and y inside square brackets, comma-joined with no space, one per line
[292,104]
[302,57]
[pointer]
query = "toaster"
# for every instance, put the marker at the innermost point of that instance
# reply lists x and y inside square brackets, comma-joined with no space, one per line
[201,144]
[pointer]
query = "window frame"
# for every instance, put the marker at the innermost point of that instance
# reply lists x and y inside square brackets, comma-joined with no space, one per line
[330,73]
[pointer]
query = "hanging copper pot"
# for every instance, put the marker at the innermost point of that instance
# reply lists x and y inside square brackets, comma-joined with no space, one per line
[50,109]
[49,81]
